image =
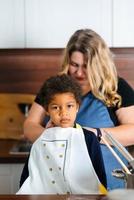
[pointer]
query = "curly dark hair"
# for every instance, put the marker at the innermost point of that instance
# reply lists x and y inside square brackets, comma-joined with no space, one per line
[57,85]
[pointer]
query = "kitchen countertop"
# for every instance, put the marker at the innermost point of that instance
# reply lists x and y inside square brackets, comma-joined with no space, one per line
[6,157]
[51,197]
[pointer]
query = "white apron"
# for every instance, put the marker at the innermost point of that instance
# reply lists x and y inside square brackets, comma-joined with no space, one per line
[59,163]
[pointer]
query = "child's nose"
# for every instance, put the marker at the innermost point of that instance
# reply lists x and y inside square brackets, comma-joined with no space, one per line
[63,112]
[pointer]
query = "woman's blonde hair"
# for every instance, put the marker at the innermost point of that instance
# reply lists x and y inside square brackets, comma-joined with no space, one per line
[101,70]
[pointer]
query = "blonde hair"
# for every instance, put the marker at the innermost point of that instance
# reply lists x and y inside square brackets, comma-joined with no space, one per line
[101,70]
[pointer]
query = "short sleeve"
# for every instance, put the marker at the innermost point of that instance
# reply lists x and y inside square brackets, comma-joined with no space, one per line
[126,92]
[39,97]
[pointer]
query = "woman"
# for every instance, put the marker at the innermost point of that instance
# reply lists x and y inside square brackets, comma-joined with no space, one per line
[107,103]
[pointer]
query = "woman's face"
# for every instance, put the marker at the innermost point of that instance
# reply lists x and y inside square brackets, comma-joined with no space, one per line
[78,70]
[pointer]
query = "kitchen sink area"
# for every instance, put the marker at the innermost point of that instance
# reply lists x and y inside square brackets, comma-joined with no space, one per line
[21,147]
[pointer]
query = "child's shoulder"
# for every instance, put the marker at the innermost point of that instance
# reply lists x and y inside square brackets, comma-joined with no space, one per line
[89,133]
[90,137]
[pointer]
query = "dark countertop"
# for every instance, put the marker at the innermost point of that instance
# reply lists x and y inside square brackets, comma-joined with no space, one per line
[51,197]
[6,157]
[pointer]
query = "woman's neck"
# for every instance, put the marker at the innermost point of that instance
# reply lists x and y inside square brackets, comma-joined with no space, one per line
[85,91]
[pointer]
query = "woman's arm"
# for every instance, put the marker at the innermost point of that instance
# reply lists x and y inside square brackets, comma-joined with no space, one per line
[33,123]
[124,133]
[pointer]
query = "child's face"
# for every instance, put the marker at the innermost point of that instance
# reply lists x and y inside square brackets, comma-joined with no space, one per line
[63,109]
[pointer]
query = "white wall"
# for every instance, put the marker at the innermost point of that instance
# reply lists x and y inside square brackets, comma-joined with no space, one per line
[12,23]
[123,23]
[50,23]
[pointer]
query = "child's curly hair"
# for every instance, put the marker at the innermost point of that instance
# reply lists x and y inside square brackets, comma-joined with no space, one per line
[60,84]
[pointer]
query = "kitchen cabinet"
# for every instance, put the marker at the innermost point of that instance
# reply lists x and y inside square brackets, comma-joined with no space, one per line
[12,29]
[48,23]
[51,23]
[123,23]
[10,177]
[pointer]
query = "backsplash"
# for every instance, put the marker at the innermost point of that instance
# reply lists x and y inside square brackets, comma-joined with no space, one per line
[23,71]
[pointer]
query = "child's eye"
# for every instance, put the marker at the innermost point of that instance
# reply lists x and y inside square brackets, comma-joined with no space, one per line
[70,105]
[54,107]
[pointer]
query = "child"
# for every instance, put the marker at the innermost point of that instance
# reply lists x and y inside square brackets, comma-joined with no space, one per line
[66,158]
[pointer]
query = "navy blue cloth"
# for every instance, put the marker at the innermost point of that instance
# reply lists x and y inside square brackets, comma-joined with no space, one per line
[25,173]
[95,154]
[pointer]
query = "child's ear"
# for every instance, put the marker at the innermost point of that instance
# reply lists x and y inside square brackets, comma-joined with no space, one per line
[46,111]
[78,106]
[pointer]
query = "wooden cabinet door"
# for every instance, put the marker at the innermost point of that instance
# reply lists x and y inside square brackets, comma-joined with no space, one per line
[10,177]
